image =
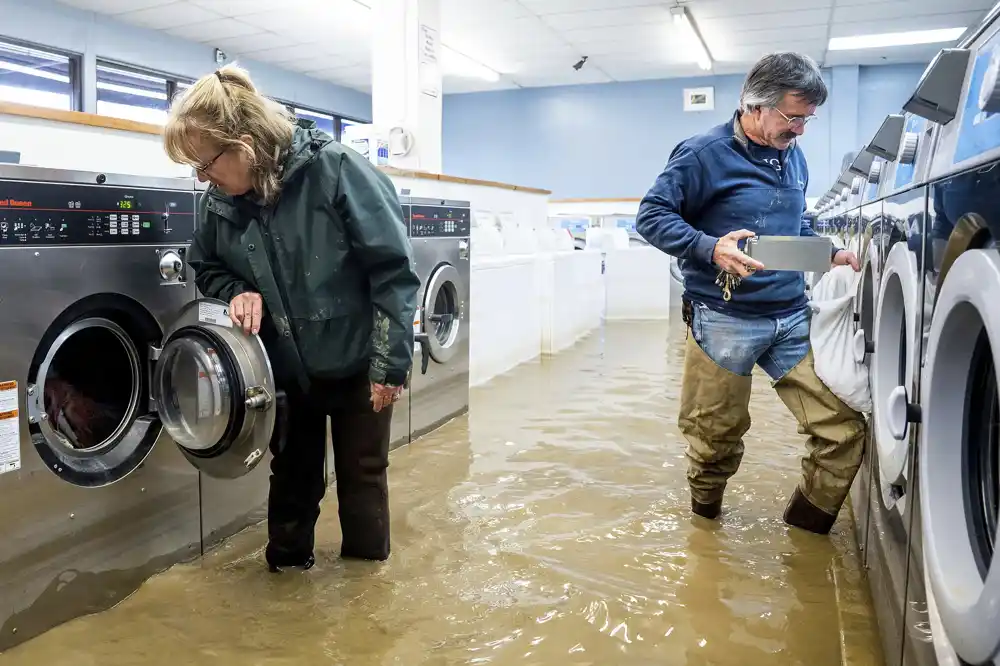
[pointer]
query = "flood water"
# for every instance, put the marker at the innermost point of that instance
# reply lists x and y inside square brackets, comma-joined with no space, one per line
[550,526]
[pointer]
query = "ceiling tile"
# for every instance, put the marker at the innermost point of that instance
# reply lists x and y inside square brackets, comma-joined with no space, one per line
[716,39]
[888,11]
[608,18]
[571,78]
[232,8]
[295,52]
[953,20]
[906,54]
[117,6]
[781,20]
[545,7]
[454,85]
[251,43]
[458,13]
[716,9]
[212,31]
[169,16]
[621,71]
[752,52]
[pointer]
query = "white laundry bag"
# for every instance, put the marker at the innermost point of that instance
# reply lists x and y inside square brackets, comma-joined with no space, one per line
[832,338]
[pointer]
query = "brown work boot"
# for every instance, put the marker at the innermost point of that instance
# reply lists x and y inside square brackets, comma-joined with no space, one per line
[801,513]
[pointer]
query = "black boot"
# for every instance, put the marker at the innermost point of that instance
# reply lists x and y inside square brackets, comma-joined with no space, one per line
[278,560]
[710,511]
[801,513]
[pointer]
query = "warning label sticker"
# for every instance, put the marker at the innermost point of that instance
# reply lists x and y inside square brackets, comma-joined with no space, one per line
[10,428]
[214,313]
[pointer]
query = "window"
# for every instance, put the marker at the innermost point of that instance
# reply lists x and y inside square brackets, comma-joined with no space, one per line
[37,77]
[124,92]
[323,121]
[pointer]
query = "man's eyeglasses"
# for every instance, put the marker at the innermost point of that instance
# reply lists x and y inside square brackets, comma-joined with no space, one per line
[208,165]
[795,122]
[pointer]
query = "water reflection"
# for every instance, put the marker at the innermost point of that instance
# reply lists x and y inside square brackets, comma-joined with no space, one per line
[550,527]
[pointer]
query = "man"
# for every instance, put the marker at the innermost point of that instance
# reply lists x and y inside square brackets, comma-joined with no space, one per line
[743,178]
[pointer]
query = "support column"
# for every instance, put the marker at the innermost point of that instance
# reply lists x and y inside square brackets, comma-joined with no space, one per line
[406,78]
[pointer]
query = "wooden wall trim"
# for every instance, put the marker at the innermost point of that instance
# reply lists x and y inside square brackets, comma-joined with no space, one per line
[107,122]
[78,118]
[425,175]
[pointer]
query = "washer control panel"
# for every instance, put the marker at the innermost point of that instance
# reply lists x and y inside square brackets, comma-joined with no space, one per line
[37,213]
[438,221]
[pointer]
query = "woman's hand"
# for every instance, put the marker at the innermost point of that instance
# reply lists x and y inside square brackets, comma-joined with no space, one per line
[246,310]
[383,396]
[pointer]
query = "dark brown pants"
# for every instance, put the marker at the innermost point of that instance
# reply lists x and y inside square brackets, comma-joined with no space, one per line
[361,457]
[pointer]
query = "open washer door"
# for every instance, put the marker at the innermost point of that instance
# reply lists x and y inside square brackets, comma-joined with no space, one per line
[864,314]
[213,389]
[893,364]
[960,458]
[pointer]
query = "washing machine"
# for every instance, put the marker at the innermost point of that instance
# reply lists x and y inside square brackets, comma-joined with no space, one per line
[439,384]
[894,361]
[959,456]
[126,403]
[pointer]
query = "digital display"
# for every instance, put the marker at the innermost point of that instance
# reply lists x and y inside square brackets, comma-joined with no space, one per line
[66,214]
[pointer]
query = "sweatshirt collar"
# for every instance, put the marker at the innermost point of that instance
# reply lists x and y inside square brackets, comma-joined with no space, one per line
[741,136]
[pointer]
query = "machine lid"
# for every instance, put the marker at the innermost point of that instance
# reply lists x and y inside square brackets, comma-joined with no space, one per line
[885,144]
[893,365]
[959,466]
[443,312]
[939,90]
[214,391]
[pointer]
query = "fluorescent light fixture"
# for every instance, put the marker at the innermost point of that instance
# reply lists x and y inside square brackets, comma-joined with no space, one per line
[886,39]
[691,36]
[461,65]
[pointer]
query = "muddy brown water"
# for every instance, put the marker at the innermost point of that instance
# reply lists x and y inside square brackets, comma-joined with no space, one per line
[549,526]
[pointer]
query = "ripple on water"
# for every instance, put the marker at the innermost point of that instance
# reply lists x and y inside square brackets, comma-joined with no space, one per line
[550,526]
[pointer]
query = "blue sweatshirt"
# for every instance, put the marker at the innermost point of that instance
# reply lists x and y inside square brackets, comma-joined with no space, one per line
[719,182]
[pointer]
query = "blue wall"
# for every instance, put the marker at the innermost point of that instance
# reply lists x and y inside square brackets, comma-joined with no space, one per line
[47,23]
[611,140]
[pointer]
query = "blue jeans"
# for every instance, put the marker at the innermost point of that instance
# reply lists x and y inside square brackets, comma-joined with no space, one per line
[737,344]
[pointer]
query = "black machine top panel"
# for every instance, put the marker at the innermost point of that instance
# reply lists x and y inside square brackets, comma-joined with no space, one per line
[438,221]
[39,213]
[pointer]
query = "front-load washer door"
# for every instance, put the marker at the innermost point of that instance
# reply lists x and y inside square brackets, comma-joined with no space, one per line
[864,309]
[960,457]
[214,391]
[442,312]
[893,363]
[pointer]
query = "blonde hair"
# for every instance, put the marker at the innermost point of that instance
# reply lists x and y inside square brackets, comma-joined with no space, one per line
[221,108]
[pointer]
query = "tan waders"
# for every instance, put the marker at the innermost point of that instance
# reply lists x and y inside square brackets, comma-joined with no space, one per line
[714,417]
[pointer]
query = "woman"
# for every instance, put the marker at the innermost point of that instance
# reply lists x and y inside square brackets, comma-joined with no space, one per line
[305,239]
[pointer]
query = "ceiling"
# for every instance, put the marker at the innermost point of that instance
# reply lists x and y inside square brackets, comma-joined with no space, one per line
[536,42]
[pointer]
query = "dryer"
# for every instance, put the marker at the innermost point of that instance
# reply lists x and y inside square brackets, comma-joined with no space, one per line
[439,386]
[125,402]
[959,454]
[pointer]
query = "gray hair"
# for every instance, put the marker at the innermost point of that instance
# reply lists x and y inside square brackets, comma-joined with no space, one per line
[777,74]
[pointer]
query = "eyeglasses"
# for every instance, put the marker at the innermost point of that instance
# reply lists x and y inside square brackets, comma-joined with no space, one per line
[208,165]
[795,122]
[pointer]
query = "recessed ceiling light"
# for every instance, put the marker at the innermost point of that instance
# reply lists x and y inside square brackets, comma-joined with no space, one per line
[886,39]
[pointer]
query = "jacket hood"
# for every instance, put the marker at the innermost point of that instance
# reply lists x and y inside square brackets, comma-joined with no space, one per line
[307,142]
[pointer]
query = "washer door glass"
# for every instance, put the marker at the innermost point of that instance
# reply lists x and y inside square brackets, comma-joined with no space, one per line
[194,391]
[442,318]
[214,391]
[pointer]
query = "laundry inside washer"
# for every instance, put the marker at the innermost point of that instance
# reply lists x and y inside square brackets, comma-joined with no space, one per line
[89,388]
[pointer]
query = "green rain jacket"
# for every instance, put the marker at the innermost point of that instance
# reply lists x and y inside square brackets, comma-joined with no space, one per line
[330,258]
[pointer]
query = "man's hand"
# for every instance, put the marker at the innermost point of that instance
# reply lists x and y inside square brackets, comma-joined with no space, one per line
[246,310]
[383,396]
[846,258]
[728,257]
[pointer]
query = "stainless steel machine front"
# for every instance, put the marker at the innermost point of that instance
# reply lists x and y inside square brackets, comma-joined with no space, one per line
[439,386]
[133,418]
